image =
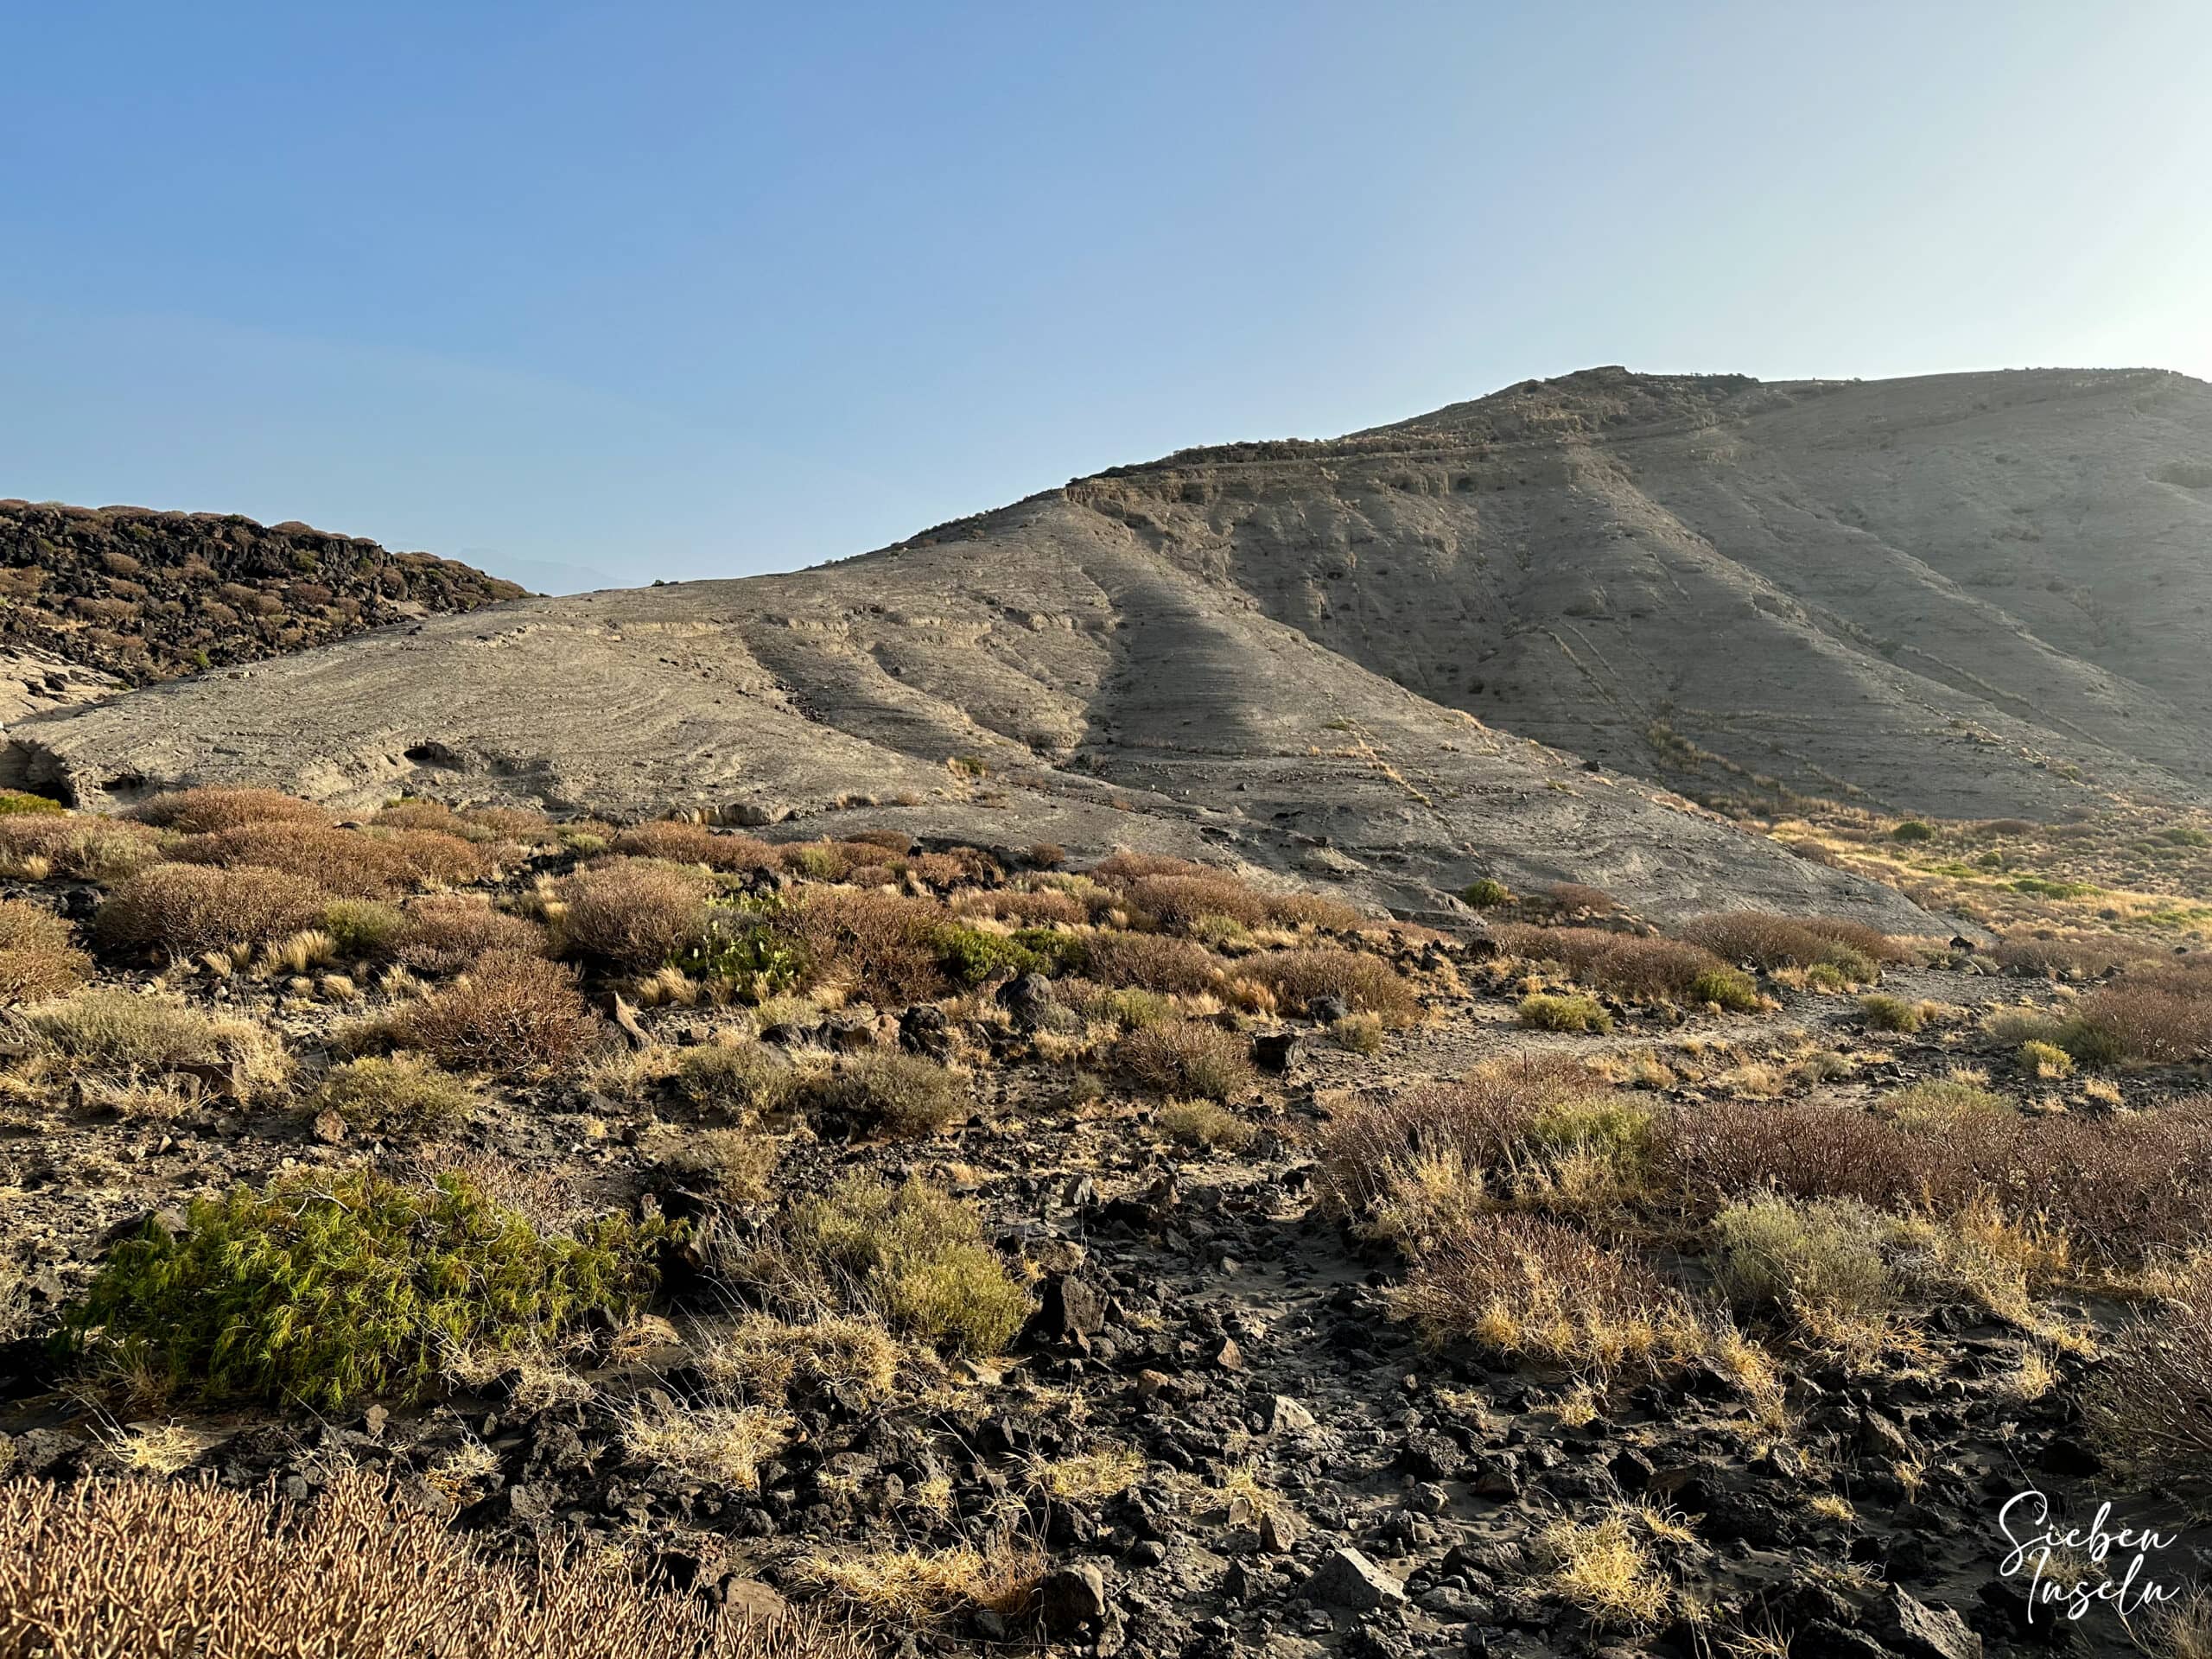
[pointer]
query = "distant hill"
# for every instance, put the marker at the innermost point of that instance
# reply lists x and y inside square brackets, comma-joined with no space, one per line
[146,596]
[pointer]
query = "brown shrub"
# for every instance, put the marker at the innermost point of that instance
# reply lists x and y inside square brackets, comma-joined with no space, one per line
[201,811]
[2083,956]
[1188,1056]
[1367,983]
[1124,867]
[1149,962]
[2151,1409]
[510,823]
[634,912]
[879,944]
[1047,855]
[89,848]
[433,856]
[1574,895]
[695,843]
[184,909]
[511,1016]
[39,956]
[902,1094]
[897,842]
[416,813]
[1624,964]
[1756,937]
[1313,910]
[1869,942]
[342,863]
[2161,1014]
[172,1567]
[444,932]
[1179,900]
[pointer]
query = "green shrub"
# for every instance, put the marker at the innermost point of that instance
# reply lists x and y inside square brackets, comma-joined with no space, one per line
[740,943]
[970,956]
[1817,1257]
[1893,1013]
[2046,1060]
[13,801]
[1487,893]
[1360,1032]
[1131,1009]
[1546,1011]
[1202,1123]
[1913,829]
[1937,1103]
[331,1289]
[901,1093]
[400,1094]
[361,927]
[1730,988]
[915,1258]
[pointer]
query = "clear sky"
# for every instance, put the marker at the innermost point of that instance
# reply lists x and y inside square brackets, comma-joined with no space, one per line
[680,289]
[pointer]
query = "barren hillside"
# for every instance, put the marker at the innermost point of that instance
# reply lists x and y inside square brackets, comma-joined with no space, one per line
[1967,595]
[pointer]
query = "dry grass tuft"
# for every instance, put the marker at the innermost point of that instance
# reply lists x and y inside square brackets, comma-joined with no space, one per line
[1188,1058]
[111,1568]
[723,1444]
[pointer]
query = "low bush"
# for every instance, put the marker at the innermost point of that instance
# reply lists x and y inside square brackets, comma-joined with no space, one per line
[763,1358]
[1575,896]
[1147,961]
[1818,1259]
[39,956]
[509,1016]
[1938,1103]
[634,913]
[341,862]
[1892,1014]
[1726,987]
[901,1094]
[16,802]
[401,1095]
[738,1166]
[2151,1408]
[1365,984]
[881,946]
[2152,1016]
[1524,1286]
[89,849]
[1188,1058]
[118,1033]
[329,1289]
[203,811]
[2046,1062]
[909,1254]
[1202,1123]
[1037,909]
[736,1077]
[1487,893]
[1360,1033]
[167,1567]
[746,944]
[444,933]
[361,927]
[695,843]
[1624,964]
[186,909]
[1546,1011]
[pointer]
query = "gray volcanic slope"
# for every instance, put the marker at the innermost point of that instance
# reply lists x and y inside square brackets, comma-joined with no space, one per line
[1971,594]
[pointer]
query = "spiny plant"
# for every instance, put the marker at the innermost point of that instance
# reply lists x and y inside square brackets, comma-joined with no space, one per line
[330,1290]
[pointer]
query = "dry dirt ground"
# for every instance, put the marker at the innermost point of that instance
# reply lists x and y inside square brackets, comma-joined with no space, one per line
[1219,1429]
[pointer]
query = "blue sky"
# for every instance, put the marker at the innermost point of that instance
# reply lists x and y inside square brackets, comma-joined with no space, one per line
[675,290]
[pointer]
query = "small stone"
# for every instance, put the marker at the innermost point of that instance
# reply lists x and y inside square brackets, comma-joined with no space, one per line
[1279,1531]
[1932,1633]
[1228,1355]
[329,1128]
[1347,1578]
[1287,1416]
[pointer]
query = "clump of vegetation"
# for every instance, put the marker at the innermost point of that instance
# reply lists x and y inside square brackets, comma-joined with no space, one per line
[1549,1011]
[738,1165]
[1819,1261]
[39,956]
[361,928]
[205,811]
[901,1094]
[1913,829]
[230,1567]
[1626,965]
[328,1289]
[14,802]
[1364,984]
[909,1255]
[1189,1057]
[1884,1012]
[2151,1408]
[1726,987]
[399,1094]
[761,1357]
[1361,1033]
[186,909]
[1604,1568]
[1202,1123]
[1934,1104]
[724,1444]
[2047,1062]
[1486,893]
[632,912]
[443,934]
[679,842]
[509,1016]
[118,1033]
[1148,962]
[738,1077]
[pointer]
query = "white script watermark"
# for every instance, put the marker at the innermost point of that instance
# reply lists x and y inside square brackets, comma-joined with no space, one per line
[2070,1569]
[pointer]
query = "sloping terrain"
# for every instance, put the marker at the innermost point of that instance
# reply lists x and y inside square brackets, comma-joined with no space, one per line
[1964,594]
[1051,680]
[144,596]
[1968,595]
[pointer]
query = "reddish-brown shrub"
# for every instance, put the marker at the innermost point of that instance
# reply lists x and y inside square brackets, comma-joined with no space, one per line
[184,909]
[1367,983]
[2161,1016]
[509,823]
[1313,910]
[1574,895]
[509,1016]
[634,912]
[2151,1408]
[1624,964]
[1869,942]
[1176,901]
[415,813]
[896,841]
[444,932]
[1150,962]
[2081,954]
[695,843]
[343,863]
[39,956]
[79,844]
[1030,908]
[1124,867]
[200,811]
[1047,855]
[432,855]
[880,944]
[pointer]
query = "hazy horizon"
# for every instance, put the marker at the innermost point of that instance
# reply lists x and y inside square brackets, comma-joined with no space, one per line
[687,292]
